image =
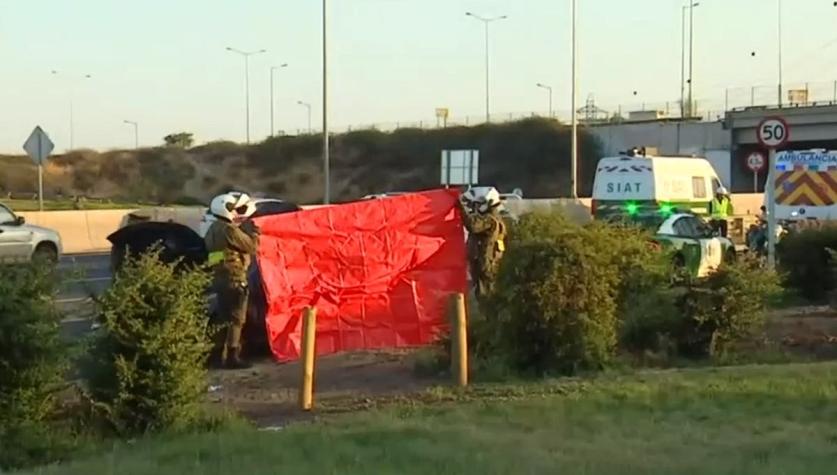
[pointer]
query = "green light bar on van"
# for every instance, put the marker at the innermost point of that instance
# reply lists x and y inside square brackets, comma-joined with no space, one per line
[666,209]
[632,208]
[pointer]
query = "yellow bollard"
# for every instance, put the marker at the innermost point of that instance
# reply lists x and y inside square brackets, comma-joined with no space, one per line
[309,330]
[459,341]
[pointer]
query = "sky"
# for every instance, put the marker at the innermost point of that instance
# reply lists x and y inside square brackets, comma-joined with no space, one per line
[163,63]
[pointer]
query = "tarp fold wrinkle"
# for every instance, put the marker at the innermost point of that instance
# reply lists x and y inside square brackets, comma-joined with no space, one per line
[380,272]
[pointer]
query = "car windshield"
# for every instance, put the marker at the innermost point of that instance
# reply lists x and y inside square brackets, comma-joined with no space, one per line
[6,216]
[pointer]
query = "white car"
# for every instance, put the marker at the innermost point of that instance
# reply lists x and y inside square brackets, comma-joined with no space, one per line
[263,207]
[21,242]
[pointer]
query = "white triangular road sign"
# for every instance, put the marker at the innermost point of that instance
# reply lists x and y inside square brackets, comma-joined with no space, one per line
[38,146]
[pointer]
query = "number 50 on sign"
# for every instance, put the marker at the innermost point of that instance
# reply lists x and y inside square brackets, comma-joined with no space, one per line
[773,132]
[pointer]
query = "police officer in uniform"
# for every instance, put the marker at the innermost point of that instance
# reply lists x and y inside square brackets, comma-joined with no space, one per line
[231,247]
[720,209]
[486,237]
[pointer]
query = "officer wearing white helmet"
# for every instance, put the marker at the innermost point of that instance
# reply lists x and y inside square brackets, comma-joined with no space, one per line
[486,236]
[230,251]
[720,209]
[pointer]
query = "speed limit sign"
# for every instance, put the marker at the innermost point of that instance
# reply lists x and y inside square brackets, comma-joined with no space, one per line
[755,161]
[773,132]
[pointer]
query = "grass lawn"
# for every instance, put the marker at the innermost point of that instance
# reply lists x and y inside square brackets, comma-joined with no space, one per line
[745,420]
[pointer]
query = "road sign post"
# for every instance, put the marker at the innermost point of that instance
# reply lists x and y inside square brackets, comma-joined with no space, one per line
[39,146]
[755,162]
[772,133]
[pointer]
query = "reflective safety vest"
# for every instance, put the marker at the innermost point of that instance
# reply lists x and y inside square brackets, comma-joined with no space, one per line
[720,208]
[215,258]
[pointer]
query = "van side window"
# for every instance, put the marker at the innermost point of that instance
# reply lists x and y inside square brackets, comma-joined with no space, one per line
[698,187]
[715,184]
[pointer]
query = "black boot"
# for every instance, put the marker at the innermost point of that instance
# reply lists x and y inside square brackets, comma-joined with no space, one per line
[216,360]
[234,360]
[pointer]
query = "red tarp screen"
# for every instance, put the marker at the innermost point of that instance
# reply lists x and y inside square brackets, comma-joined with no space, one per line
[379,272]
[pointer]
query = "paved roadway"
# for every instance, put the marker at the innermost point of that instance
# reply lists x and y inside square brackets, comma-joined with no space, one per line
[86,275]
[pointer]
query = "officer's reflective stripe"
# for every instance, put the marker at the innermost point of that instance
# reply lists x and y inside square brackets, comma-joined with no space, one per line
[216,257]
[720,208]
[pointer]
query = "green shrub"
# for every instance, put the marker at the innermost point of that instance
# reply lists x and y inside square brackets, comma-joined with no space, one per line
[724,308]
[435,360]
[649,319]
[560,285]
[805,262]
[146,369]
[33,364]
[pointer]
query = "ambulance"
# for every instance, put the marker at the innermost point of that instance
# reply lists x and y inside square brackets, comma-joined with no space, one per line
[639,183]
[806,185]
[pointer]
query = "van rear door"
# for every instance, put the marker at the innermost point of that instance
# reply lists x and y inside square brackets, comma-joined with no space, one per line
[623,185]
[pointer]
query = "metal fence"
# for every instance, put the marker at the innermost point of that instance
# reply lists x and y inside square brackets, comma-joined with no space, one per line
[709,107]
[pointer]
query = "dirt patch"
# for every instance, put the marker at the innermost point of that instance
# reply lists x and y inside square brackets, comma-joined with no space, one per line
[807,331]
[268,393]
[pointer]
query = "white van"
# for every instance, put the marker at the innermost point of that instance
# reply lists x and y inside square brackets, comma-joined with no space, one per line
[635,183]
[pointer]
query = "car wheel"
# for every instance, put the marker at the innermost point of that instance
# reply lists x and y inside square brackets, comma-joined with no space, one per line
[46,252]
[679,273]
[730,256]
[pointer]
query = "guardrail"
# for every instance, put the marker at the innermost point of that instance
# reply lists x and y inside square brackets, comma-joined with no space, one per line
[86,231]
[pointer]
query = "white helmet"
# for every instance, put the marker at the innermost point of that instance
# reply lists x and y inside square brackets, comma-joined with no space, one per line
[232,206]
[483,197]
[721,191]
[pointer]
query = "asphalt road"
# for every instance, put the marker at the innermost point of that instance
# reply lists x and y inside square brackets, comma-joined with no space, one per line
[85,276]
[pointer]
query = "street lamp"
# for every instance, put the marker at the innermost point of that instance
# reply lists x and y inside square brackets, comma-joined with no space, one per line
[72,120]
[549,89]
[486,22]
[779,20]
[326,166]
[272,101]
[574,121]
[689,7]
[307,106]
[246,55]
[136,131]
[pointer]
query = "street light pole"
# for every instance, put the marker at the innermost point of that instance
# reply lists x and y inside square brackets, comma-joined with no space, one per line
[692,6]
[72,114]
[549,89]
[136,132]
[486,22]
[246,55]
[574,141]
[326,158]
[683,57]
[272,101]
[779,7]
[307,106]
[683,61]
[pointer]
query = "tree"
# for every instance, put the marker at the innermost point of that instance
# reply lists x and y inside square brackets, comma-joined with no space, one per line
[180,139]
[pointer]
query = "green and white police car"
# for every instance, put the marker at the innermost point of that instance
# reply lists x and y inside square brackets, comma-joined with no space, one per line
[695,247]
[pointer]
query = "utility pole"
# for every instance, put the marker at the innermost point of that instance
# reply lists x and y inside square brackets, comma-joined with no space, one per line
[307,106]
[246,55]
[72,79]
[272,100]
[691,56]
[574,152]
[779,31]
[549,89]
[326,158]
[136,132]
[486,22]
